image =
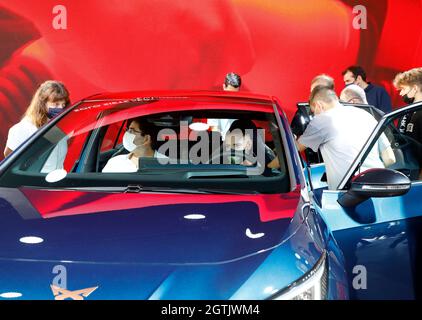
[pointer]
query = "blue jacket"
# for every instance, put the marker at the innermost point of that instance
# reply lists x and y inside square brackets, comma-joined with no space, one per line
[378,97]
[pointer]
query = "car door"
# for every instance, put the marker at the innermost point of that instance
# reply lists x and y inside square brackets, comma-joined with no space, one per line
[110,143]
[381,236]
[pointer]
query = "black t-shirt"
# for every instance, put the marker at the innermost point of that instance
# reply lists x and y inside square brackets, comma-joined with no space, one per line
[414,126]
[403,122]
[414,130]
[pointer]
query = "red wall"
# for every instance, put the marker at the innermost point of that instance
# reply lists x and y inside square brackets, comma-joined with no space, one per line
[277,46]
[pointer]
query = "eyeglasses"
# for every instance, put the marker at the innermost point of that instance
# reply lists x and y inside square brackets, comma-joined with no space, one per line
[133,131]
[56,104]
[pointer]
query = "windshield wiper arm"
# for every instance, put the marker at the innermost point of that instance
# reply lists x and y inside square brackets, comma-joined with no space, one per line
[140,189]
[227,191]
[136,188]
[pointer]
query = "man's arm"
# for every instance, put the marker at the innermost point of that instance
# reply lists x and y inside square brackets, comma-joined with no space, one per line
[7,151]
[274,164]
[388,157]
[300,146]
[313,137]
[387,154]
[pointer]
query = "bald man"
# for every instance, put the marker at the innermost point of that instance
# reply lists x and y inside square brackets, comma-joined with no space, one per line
[353,94]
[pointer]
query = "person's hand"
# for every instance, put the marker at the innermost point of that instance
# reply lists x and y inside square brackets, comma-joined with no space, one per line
[274,164]
[246,163]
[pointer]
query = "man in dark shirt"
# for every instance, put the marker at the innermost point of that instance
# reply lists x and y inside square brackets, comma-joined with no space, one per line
[244,137]
[375,95]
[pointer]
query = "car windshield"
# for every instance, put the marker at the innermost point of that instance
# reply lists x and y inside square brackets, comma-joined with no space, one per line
[171,144]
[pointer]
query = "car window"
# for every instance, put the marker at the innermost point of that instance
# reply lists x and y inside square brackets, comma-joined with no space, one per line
[399,145]
[126,145]
[113,136]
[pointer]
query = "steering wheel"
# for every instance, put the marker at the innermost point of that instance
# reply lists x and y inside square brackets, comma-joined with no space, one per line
[228,154]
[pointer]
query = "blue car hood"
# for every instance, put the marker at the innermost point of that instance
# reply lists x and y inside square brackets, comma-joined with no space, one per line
[178,232]
[155,245]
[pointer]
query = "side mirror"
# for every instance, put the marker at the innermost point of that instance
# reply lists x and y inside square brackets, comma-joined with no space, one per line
[375,183]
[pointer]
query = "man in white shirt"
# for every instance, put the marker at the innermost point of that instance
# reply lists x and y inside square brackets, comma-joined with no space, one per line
[339,132]
[139,139]
[322,80]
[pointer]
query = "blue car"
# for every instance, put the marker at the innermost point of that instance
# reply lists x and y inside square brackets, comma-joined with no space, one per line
[149,195]
[375,215]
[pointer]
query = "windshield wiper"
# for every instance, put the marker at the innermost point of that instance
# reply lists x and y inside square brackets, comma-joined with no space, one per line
[134,189]
[139,189]
[227,191]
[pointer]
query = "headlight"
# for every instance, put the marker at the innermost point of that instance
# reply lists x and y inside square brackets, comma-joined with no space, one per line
[312,286]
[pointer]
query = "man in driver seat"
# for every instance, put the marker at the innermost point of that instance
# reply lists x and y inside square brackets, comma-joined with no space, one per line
[247,144]
[140,140]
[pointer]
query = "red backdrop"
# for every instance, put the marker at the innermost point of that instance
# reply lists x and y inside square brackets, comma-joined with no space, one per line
[276,46]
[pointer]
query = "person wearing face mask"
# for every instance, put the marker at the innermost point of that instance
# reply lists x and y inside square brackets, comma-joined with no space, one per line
[247,145]
[140,140]
[409,84]
[50,99]
[377,96]
[339,132]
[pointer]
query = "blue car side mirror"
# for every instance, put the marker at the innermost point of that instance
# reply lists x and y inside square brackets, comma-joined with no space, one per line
[375,183]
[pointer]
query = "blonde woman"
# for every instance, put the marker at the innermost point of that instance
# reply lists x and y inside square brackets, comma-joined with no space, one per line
[49,100]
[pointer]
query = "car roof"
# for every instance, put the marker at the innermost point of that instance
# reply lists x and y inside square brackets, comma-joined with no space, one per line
[185,95]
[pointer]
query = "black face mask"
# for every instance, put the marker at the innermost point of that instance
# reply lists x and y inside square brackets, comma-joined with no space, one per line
[53,112]
[408,100]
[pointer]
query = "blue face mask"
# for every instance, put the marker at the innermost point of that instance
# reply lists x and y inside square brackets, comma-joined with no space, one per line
[52,112]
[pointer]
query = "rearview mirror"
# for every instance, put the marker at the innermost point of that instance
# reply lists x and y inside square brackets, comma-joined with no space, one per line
[375,183]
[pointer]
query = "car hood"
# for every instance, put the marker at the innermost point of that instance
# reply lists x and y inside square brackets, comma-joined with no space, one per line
[141,228]
[141,246]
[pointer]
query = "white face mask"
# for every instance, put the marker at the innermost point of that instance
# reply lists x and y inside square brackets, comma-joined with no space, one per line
[128,141]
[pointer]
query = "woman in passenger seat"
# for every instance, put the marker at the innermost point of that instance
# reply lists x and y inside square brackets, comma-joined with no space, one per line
[140,140]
